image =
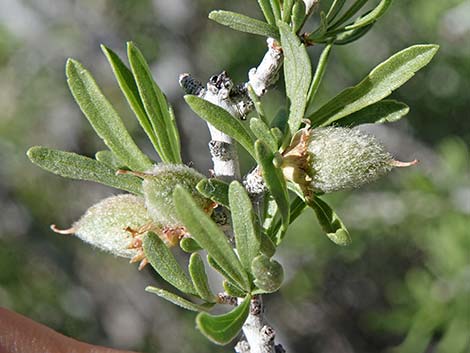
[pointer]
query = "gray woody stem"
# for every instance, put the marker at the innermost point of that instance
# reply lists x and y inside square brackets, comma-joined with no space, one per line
[259,336]
[220,90]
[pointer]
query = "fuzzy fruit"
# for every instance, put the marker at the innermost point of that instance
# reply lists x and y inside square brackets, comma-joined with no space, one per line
[158,187]
[330,159]
[110,224]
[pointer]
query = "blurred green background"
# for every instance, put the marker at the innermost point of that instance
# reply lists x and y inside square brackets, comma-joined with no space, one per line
[402,287]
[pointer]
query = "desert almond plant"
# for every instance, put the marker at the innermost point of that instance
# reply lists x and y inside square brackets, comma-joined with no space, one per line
[303,152]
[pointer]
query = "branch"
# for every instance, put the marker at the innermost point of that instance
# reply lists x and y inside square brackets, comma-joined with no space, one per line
[259,336]
[267,72]
[220,90]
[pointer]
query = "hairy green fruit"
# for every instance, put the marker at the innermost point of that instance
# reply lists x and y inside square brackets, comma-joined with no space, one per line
[109,224]
[158,188]
[335,158]
[342,158]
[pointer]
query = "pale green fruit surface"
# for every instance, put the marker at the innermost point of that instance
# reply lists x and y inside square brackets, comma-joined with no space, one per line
[158,192]
[342,158]
[103,225]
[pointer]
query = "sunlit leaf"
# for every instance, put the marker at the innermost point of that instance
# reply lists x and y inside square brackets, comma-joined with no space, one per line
[102,116]
[244,23]
[247,238]
[298,75]
[372,16]
[265,6]
[298,15]
[110,159]
[384,111]
[221,120]
[75,166]
[318,76]
[164,262]
[199,277]
[221,329]
[380,82]
[129,88]
[156,106]
[209,236]
[214,189]
[177,300]
[330,222]
[189,245]
[274,179]
[262,132]
[334,9]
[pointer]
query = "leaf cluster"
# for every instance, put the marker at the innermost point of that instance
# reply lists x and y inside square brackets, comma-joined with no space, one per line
[247,263]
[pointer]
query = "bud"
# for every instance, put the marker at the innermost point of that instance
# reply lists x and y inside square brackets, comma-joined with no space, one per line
[116,225]
[158,186]
[330,159]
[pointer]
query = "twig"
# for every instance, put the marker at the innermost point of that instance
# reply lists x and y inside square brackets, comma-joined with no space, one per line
[220,90]
[259,336]
[267,72]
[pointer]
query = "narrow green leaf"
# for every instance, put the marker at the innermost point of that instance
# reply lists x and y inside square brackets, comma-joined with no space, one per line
[214,189]
[318,76]
[298,15]
[110,159]
[222,120]
[353,35]
[380,82]
[199,277]
[274,179]
[298,75]
[129,88]
[102,116]
[353,9]
[174,133]
[372,16]
[244,23]
[189,245]
[75,166]
[265,6]
[296,208]
[209,236]
[384,111]
[287,10]
[276,7]
[270,212]
[221,329]
[318,34]
[257,103]
[216,266]
[330,222]
[181,302]
[247,238]
[233,290]
[262,132]
[163,261]
[335,8]
[156,106]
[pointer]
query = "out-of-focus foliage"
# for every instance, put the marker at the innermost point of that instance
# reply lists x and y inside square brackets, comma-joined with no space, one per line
[403,282]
